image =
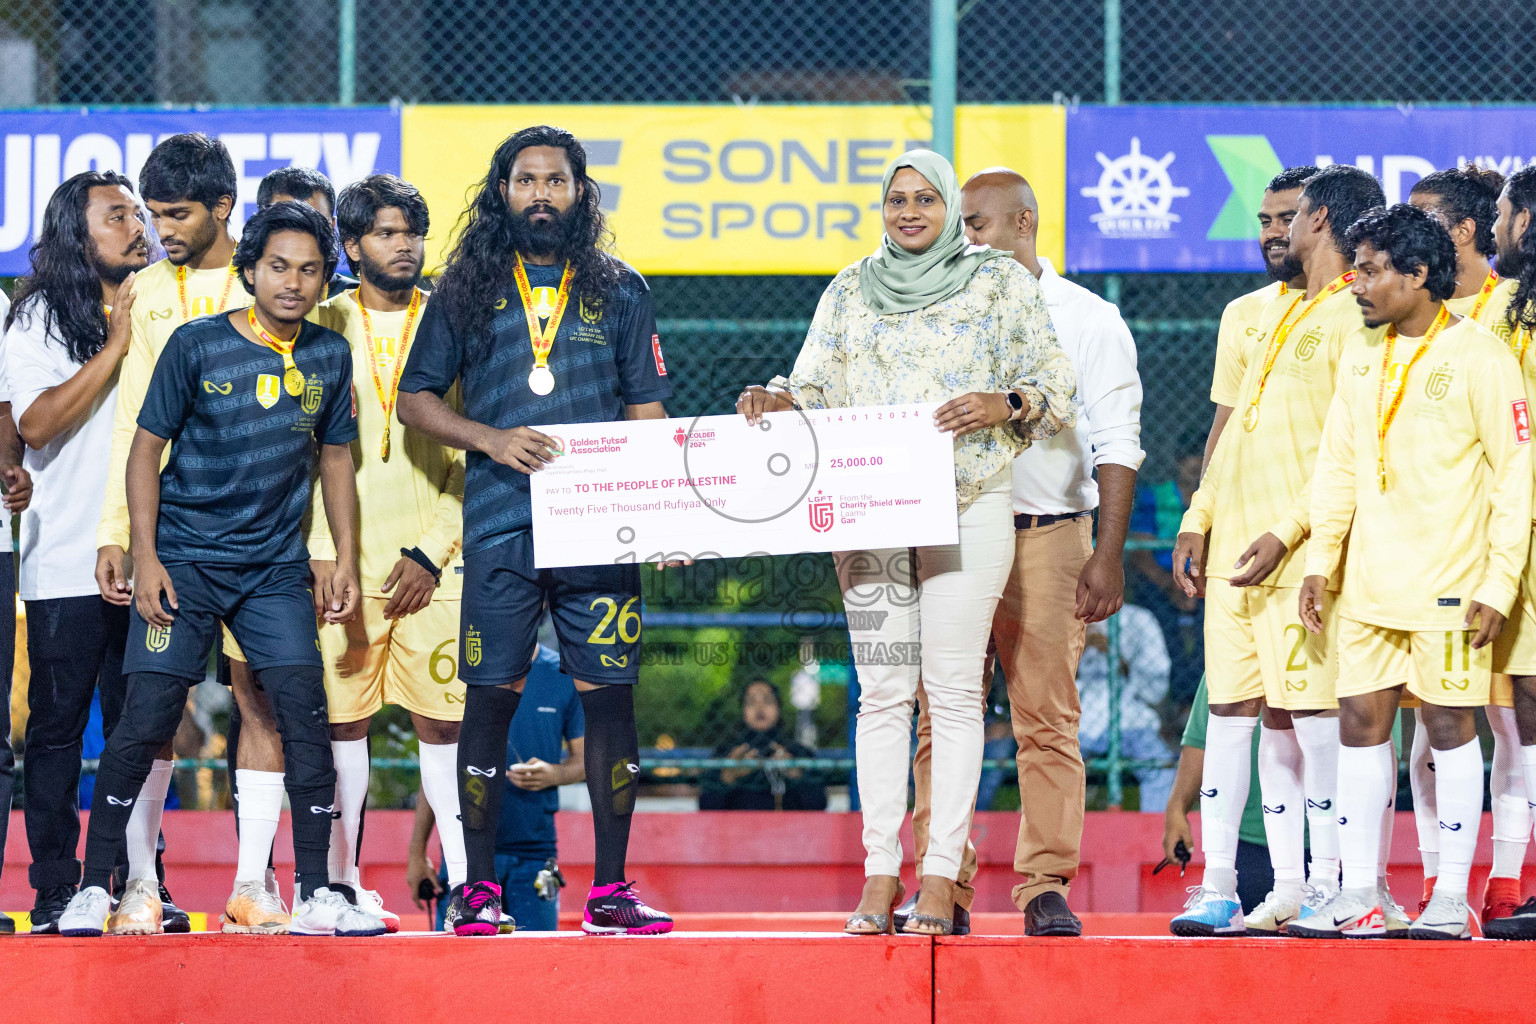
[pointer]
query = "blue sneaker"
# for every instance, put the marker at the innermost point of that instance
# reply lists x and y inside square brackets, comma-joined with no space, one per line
[1209,912]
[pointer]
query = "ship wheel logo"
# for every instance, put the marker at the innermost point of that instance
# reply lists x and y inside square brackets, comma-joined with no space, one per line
[1135,194]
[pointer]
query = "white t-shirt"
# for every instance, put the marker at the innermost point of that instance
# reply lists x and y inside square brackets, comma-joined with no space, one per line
[69,474]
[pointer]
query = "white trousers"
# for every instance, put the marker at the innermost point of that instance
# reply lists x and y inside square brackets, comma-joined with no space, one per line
[925,613]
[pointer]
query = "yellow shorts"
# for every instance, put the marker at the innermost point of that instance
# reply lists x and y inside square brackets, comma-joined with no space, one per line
[1502,689]
[1256,646]
[1514,652]
[411,662]
[1437,666]
[232,650]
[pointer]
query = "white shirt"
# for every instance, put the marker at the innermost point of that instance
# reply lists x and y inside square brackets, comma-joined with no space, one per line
[1055,476]
[1142,688]
[69,474]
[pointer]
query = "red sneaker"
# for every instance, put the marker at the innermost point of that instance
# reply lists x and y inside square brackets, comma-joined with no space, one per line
[1501,899]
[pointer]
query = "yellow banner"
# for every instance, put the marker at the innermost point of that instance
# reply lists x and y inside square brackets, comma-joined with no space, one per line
[765,189]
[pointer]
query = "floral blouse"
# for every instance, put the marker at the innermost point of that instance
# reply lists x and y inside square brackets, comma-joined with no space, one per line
[993,335]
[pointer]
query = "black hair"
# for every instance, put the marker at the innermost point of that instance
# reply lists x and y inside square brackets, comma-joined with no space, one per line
[778,698]
[297,183]
[1291,177]
[360,203]
[1192,446]
[1411,238]
[478,270]
[1467,193]
[1521,192]
[190,166]
[1347,192]
[285,216]
[67,269]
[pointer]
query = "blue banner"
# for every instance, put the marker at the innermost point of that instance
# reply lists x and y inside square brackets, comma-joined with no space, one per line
[1177,188]
[42,148]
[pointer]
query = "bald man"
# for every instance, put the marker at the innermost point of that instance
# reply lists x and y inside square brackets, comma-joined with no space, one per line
[1061,580]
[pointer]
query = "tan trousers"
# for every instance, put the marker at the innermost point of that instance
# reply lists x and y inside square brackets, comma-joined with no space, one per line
[1039,641]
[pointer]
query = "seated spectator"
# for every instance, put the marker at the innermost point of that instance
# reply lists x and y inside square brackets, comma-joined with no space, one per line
[548,719]
[768,788]
[1160,505]
[1143,685]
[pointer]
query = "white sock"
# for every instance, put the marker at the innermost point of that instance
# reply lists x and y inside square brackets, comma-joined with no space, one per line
[1224,785]
[1459,796]
[1284,819]
[440,785]
[144,822]
[1528,768]
[261,805]
[1366,777]
[351,759]
[1421,779]
[1318,738]
[1506,784]
[1384,846]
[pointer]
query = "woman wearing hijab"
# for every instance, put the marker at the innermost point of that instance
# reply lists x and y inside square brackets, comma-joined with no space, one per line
[930,318]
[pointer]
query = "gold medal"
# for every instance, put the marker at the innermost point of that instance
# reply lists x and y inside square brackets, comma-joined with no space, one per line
[293,381]
[1251,417]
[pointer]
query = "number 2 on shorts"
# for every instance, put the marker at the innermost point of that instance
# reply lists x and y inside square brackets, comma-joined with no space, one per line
[624,617]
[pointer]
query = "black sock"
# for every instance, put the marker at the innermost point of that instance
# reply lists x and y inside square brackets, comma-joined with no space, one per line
[297,693]
[488,712]
[613,775]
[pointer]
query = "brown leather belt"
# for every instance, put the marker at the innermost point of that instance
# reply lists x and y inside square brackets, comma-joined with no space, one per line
[1030,522]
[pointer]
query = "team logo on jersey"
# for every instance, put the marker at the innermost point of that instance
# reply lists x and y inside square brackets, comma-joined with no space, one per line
[821,515]
[157,638]
[1522,416]
[472,646]
[1439,383]
[1308,343]
[313,390]
[267,389]
[218,389]
[591,311]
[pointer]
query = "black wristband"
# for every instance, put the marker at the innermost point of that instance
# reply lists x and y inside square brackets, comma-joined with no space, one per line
[420,558]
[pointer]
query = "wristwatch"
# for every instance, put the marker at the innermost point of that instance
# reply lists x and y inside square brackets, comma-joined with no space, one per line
[1015,403]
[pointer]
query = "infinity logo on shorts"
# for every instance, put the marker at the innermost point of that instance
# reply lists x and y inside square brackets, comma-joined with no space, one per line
[489,773]
[119,803]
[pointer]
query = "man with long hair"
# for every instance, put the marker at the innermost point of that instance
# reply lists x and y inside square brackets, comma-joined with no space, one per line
[401,649]
[64,338]
[1514,651]
[538,324]
[249,403]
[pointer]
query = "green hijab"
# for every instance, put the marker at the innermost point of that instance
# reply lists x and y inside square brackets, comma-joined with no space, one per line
[894,280]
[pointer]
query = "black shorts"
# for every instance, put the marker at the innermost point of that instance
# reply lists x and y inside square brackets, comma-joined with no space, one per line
[270,609]
[595,608]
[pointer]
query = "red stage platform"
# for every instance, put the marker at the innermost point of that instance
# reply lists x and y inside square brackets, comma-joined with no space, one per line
[744,978]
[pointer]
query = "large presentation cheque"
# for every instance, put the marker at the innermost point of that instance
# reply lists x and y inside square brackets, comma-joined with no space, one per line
[714,487]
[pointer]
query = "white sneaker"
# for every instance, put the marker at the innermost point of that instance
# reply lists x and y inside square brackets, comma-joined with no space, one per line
[87,912]
[1208,912]
[1395,917]
[372,904]
[1350,914]
[1269,917]
[270,883]
[1446,917]
[327,912]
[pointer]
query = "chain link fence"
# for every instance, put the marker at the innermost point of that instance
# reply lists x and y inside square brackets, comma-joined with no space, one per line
[724,332]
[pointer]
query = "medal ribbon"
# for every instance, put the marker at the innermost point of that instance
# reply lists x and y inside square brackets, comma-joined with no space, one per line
[282,348]
[1484,294]
[181,291]
[1519,343]
[542,339]
[1286,324]
[1385,417]
[387,398]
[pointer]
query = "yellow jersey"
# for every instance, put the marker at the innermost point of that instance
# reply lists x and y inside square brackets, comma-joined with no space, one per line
[1240,324]
[160,305]
[1491,315]
[1259,479]
[1453,525]
[415,496]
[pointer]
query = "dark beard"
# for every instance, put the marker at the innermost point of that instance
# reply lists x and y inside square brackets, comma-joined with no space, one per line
[552,238]
[112,273]
[1290,268]
[1274,272]
[1510,264]
[379,276]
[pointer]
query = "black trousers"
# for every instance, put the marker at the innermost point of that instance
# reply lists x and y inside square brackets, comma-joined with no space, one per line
[74,645]
[7,668]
